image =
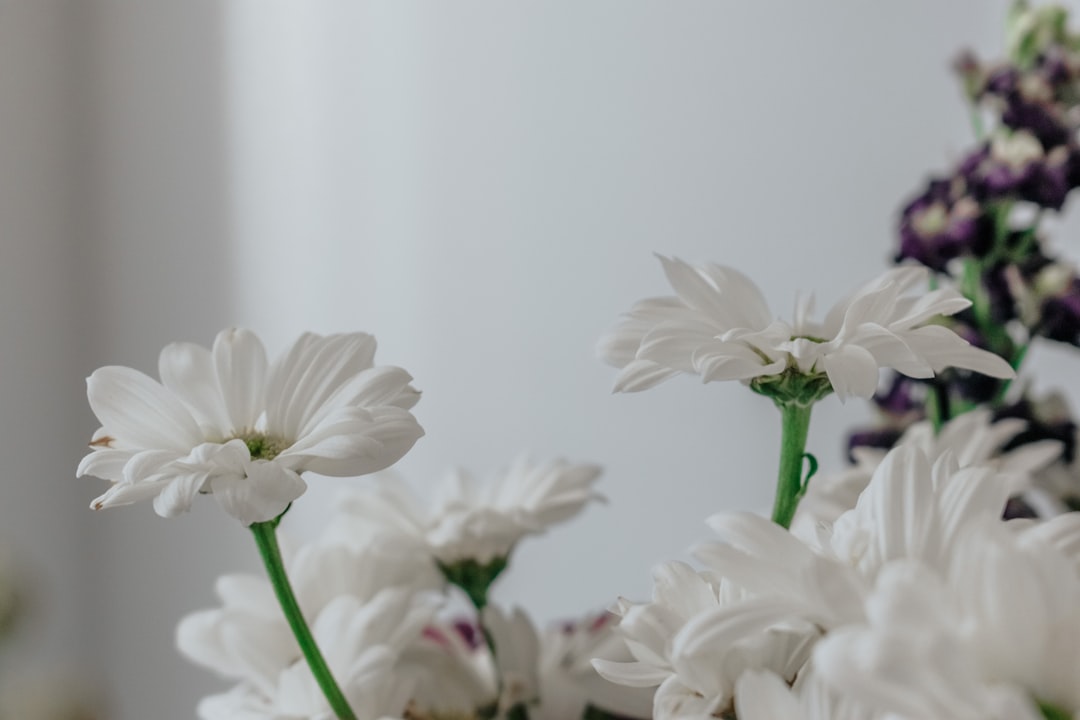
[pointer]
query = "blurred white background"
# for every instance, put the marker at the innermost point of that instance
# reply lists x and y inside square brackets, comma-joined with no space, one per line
[479,184]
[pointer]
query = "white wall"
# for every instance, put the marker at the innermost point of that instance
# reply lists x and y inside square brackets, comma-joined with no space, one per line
[481,185]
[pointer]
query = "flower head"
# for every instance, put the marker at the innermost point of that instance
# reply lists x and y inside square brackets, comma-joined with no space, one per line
[227,422]
[943,223]
[473,521]
[719,327]
[367,610]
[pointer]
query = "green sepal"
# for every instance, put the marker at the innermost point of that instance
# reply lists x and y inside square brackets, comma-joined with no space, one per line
[792,387]
[474,578]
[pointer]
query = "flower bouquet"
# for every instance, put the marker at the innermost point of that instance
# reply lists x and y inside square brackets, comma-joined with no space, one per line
[936,577]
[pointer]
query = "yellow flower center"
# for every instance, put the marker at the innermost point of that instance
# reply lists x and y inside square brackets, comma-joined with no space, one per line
[262,446]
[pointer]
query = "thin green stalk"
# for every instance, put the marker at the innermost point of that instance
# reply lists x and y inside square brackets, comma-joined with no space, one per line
[977,123]
[266,538]
[795,424]
[480,602]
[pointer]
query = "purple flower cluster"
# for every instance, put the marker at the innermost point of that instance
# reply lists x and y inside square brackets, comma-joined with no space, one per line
[979,228]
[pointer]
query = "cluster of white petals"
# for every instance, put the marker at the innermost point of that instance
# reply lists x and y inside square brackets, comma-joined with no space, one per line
[973,439]
[372,611]
[228,422]
[467,519]
[366,609]
[918,602]
[719,327]
[548,672]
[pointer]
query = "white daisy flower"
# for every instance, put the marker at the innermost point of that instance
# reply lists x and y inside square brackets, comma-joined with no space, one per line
[694,679]
[973,439]
[696,641]
[547,672]
[457,675]
[764,695]
[469,520]
[995,637]
[226,421]
[362,644]
[550,671]
[366,609]
[719,327]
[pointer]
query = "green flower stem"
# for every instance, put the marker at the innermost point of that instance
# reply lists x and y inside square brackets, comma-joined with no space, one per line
[795,421]
[938,407]
[474,578]
[266,538]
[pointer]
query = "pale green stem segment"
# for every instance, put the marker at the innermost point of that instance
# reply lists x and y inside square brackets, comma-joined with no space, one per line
[266,538]
[795,425]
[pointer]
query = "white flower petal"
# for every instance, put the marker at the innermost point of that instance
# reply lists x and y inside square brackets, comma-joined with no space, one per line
[240,364]
[139,411]
[123,493]
[852,370]
[369,388]
[761,695]
[943,348]
[630,674]
[177,495]
[105,463]
[355,441]
[308,376]
[262,495]
[187,370]
[640,375]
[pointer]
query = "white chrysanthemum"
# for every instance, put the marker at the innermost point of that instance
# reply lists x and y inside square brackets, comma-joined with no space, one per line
[973,439]
[697,643]
[226,421]
[469,520]
[548,672]
[455,669]
[763,695]
[362,644]
[994,637]
[365,610]
[551,671]
[719,327]
[694,679]
[568,680]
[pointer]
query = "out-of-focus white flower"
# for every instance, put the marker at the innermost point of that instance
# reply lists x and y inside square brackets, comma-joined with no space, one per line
[694,679]
[547,672]
[696,642]
[468,520]
[551,671]
[992,638]
[973,439]
[719,327]
[365,610]
[225,421]
[764,695]
[568,680]
[456,674]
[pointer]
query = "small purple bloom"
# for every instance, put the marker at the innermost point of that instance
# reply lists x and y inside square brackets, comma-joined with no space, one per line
[942,224]
[882,438]
[1060,318]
